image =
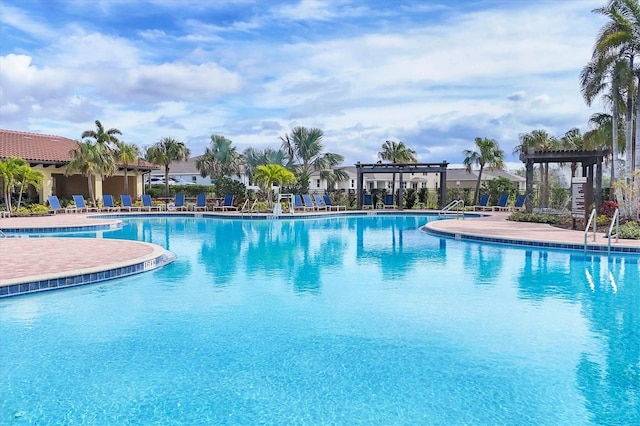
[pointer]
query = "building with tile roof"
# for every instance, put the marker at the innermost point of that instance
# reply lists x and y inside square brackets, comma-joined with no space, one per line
[51,154]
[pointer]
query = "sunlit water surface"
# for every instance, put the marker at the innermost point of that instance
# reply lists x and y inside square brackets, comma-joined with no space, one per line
[352,320]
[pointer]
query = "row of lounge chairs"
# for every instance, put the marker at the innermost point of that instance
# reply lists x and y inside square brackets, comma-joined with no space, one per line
[108,205]
[318,202]
[502,205]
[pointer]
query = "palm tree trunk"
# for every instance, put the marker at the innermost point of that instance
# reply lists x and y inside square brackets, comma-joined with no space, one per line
[126,181]
[20,196]
[90,185]
[477,193]
[7,199]
[166,180]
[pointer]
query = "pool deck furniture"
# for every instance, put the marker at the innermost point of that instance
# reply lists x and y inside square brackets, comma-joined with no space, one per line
[201,203]
[331,206]
[55,207]
[502,204]
[227,204]
[299,205]
[367,201]
[178,203]
[127,204]
[483,203]
[389,202]
[81,205]
[308,202]
[108,204]
[320,204]
[519,204]
[147,203]
[28,263]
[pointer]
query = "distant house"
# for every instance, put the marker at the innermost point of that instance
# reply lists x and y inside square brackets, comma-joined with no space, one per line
[51,155]
[187,172]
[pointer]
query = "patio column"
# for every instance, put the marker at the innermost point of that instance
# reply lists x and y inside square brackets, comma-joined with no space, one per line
[359,192]
[529,187]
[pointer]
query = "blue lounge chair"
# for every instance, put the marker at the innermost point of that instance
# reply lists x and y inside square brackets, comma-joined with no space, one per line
[519,205]
[178,202]
[320,204]
[107,203]
[127,204]
[330,205]
[367,201]
[389,202]
[147,203]
[55,207]
[483,204]
[81,205]
[227,204]
[308,202]
[201,202]
[502,203]
[298,204]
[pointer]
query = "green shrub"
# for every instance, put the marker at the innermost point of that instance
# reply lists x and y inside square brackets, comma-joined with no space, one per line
[602,220]
[538,217]
[227,185]
[22,211]
[39,209]
[410,198]
[630,230]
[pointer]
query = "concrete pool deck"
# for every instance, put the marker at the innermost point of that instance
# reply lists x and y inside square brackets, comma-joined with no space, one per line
[27,260]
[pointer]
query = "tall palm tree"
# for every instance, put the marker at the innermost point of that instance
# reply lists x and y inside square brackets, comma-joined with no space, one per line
[9,170]
[254,158]
[305,148]
[102,136]
[219,159]
[126,155]
[26,176]
[539,140]
[396,152]
[571,141]
[91,159]
[619,38]
[163,153]
[488,154]
[267,175]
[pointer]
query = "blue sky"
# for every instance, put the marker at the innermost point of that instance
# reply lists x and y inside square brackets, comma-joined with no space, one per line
[433,74]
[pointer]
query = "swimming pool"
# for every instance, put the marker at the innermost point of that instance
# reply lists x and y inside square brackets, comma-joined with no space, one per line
[349,320]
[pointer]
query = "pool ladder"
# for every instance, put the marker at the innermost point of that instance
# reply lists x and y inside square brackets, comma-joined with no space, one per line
[454,204]
[250,210]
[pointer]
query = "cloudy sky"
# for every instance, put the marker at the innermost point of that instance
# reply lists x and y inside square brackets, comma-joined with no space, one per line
[433,74]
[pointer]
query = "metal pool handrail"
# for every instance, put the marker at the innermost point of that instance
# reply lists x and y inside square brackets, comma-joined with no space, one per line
[615,220]
[451,205]
[586,229]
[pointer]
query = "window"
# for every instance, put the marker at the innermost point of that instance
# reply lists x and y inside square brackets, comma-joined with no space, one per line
[194,179]
[317,183]
[352,183]
[212,180]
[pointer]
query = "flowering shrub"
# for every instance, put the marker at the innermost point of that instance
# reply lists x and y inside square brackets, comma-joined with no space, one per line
[608,208]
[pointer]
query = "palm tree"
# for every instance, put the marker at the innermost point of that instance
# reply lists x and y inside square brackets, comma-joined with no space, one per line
[488,154]
[102,136]
[267,175]
[163,153]
[619,39]
[539,140]
[126,154]
[91,159]
[396,152]
[254,158]
[9,170]
[304,147]
[219,159]
[26,176]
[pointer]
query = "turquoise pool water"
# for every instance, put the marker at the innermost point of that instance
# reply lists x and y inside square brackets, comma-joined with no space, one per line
[352,320]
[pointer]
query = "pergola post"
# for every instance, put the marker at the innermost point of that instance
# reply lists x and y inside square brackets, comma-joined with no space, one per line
[359,184]
[528,203]
[400,192]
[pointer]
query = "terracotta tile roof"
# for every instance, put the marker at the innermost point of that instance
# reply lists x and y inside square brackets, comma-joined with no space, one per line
[35,147]
[48,149]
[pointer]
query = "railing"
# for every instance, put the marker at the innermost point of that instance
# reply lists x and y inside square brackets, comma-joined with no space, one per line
[614,221]
[250,210]
[592,216]
[455,203]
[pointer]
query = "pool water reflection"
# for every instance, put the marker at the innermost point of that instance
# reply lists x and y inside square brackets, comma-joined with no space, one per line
[350,320]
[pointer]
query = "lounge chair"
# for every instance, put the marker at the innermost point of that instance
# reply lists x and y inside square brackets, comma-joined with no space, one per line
[227,204]
[367,201]
[147,203]
[55,207]
[308,202]
[81,205]
[519,205]
[330,205]
[502,203]
[483,204]
[178,202]
[201,202]
[107,203]
[127,204]
[298,204]
[389,202]
[320,204]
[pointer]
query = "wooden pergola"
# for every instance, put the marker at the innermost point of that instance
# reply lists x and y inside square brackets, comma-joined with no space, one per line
[588,159]
[402,168]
